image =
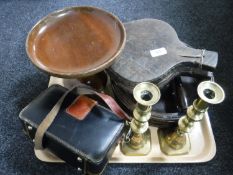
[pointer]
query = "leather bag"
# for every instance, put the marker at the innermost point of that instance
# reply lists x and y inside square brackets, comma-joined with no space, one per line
[84,129]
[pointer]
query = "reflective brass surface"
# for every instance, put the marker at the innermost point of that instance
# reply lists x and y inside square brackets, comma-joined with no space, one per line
[146,94]
[177,142]
[138,145]
[75,41]
[173,144]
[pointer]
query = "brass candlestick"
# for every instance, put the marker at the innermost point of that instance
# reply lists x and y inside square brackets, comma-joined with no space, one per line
[176,141]
[139,141]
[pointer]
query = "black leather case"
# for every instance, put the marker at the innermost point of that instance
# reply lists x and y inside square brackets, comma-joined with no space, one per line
[85,144]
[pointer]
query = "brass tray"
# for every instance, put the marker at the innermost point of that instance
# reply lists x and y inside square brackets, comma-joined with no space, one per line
[203,147]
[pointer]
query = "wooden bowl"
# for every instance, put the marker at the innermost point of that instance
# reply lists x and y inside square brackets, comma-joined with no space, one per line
[75,42]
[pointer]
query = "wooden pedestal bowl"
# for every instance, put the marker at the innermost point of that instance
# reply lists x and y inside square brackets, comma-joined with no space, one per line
[75,42]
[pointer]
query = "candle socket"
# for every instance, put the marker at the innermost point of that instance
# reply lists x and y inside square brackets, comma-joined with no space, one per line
[176,141]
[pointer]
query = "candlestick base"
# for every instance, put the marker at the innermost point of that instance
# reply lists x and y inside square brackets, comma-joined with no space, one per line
[130,150]
[173,144]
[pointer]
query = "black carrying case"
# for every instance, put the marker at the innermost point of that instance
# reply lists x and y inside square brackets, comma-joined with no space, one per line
[85,144]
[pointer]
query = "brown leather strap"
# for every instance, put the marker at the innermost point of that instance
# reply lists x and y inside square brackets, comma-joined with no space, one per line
[113,106]
[109,101]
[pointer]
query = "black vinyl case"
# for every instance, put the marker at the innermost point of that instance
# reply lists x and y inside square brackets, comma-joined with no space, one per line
[85,144]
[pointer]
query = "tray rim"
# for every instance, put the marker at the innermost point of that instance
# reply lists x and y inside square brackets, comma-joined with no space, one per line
[47,156]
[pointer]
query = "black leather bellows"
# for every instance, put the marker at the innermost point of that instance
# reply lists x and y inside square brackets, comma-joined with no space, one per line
[154,53]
